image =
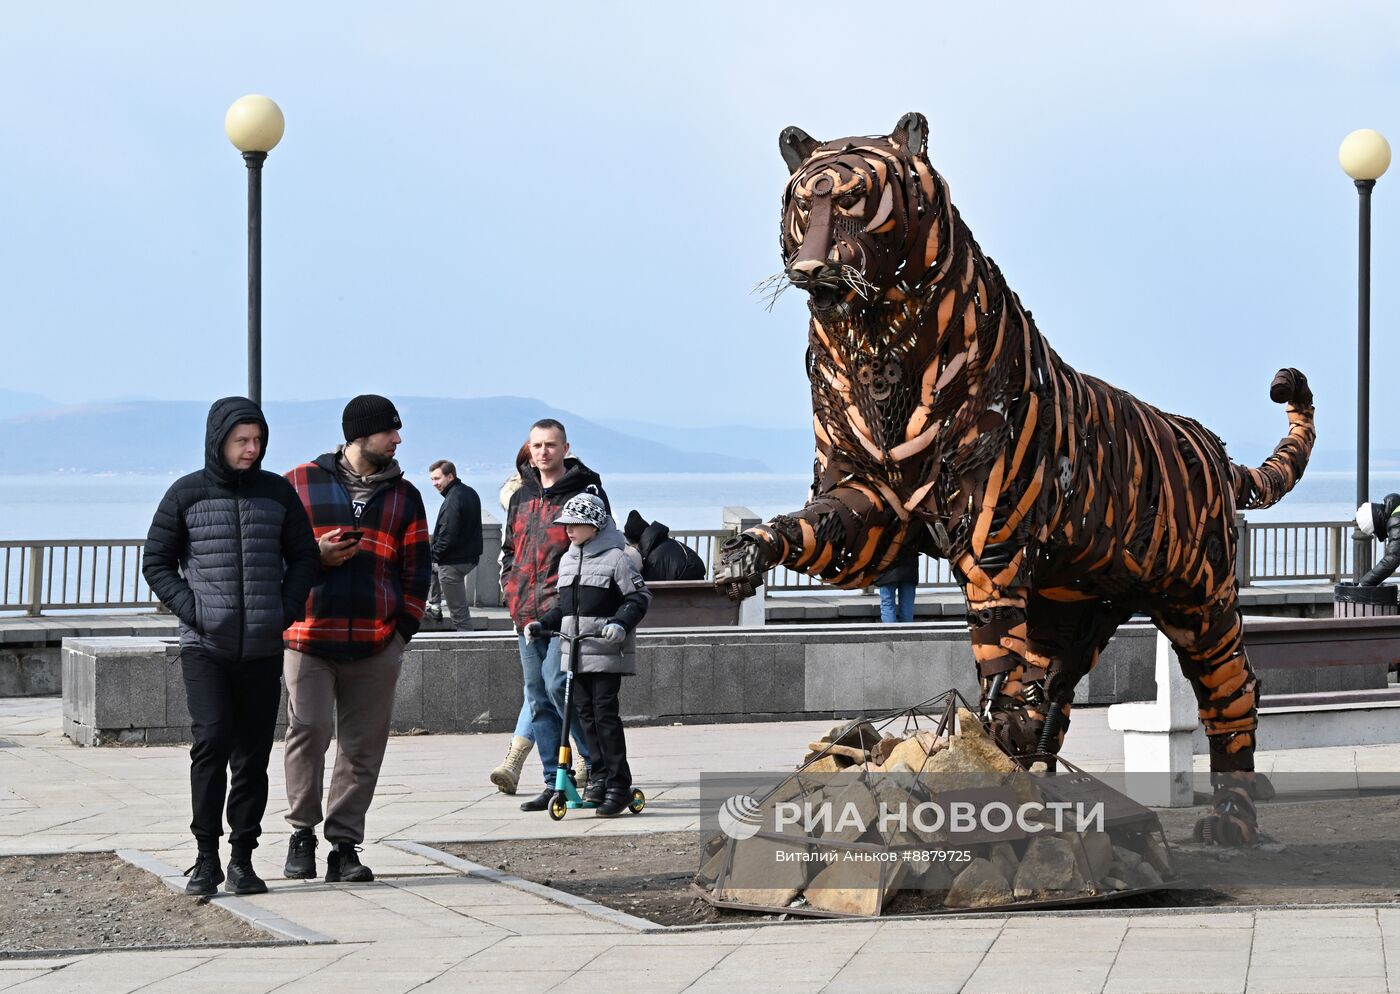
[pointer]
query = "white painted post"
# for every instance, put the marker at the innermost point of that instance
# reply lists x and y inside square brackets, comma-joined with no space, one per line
[751,609]
[1157,736]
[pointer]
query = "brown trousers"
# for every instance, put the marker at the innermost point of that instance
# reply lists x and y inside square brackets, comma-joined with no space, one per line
[354,700]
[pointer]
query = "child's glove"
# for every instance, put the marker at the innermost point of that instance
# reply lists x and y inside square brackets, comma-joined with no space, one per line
[613,633]
[534,631]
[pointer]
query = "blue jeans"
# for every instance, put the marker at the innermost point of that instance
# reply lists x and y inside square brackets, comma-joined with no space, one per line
[544,694]
[897,602]
[525,724]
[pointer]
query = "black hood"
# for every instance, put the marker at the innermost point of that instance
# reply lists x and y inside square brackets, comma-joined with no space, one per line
[224,416]
[654,535]
[576,477]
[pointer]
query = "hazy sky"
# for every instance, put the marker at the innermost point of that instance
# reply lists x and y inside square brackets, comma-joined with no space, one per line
[573,201]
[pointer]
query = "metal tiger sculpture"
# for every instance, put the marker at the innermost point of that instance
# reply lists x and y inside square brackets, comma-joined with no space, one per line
[945,422]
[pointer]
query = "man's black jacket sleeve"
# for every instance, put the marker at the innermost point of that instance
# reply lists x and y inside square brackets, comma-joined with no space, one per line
[166,542]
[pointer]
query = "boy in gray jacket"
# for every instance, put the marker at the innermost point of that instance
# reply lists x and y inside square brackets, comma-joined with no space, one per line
[600,591]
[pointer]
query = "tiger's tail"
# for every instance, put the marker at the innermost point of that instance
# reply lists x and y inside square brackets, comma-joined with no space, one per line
[1265,485]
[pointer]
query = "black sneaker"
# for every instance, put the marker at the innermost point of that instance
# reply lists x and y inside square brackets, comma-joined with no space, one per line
[538,803]
[243,879]
[301,856]
[596,792]
[205,876]
[343,865]
[614,803]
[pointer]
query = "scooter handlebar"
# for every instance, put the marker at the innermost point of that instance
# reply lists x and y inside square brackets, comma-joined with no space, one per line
[572,639]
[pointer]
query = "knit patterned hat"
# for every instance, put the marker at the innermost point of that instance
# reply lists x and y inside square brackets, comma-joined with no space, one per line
[369,414]
[584,509]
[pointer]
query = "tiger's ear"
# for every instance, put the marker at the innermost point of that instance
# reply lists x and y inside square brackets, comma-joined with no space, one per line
[796,146]
[912,133]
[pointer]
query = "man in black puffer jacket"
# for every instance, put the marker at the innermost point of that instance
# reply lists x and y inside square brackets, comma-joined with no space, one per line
[231,553]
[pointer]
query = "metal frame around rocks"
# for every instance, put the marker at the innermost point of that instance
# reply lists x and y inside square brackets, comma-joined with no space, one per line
[1051,774]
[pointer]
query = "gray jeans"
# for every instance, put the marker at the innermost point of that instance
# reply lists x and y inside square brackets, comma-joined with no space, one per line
[449,585]
[354,700]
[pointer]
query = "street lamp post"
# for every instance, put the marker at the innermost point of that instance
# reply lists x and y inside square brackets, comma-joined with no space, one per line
[254,124]
[1365,156]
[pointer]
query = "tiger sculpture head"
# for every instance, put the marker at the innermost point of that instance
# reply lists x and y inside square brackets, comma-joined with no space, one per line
[861,216]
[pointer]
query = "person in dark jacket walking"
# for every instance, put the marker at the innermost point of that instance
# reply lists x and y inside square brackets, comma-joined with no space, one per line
[342,663]
[231,554]
[1373,519]
[897,585]
[456,544]
[600,592]
[531,547]
[663,558]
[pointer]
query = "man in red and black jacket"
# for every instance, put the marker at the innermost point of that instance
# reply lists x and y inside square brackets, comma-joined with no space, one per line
[531,547]
[342,663]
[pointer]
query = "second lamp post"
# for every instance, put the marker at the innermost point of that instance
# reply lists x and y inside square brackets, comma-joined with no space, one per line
[1365,156]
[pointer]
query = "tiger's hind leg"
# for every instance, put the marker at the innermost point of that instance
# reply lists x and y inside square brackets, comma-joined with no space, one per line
[1209,641]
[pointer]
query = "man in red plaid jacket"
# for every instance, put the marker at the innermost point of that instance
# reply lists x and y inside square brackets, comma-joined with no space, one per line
[342,663]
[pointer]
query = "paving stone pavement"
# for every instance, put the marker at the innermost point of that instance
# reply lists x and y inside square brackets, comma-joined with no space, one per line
[422,928]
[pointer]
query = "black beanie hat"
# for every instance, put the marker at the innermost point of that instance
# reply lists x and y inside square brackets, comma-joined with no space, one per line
[636,524]
[369,414]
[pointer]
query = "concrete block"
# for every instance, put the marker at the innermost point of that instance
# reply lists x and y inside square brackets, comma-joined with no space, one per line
[778,684]
[441,701]
[78,682]
[878,685]
[111,705]
[31,671]
[834,678]
[167,736]
[78,733]
[666,680]
[635,697]
[913,678]
[732,666]
[146,693]
[408,695]
[505,683]
[698,681]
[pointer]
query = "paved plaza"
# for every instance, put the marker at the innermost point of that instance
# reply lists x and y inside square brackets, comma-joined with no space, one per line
[423,927]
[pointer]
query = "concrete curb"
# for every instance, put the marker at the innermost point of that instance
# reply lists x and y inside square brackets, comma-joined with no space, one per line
[592,908]
[276,925]
[636,924]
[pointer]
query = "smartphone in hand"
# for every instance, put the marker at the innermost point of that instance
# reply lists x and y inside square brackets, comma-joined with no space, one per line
[351,535]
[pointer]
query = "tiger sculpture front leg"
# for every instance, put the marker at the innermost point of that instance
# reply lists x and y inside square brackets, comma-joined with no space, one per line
[846,537]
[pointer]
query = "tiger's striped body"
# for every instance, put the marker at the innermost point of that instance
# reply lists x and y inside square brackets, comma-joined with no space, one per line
[944,421]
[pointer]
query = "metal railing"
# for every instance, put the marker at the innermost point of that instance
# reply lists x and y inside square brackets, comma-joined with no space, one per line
[73,574]
[1269,551]
[1296,550]
[105,574]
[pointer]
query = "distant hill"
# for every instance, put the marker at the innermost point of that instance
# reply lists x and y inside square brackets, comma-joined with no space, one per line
[483,433]
[13,403]
[785,450]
